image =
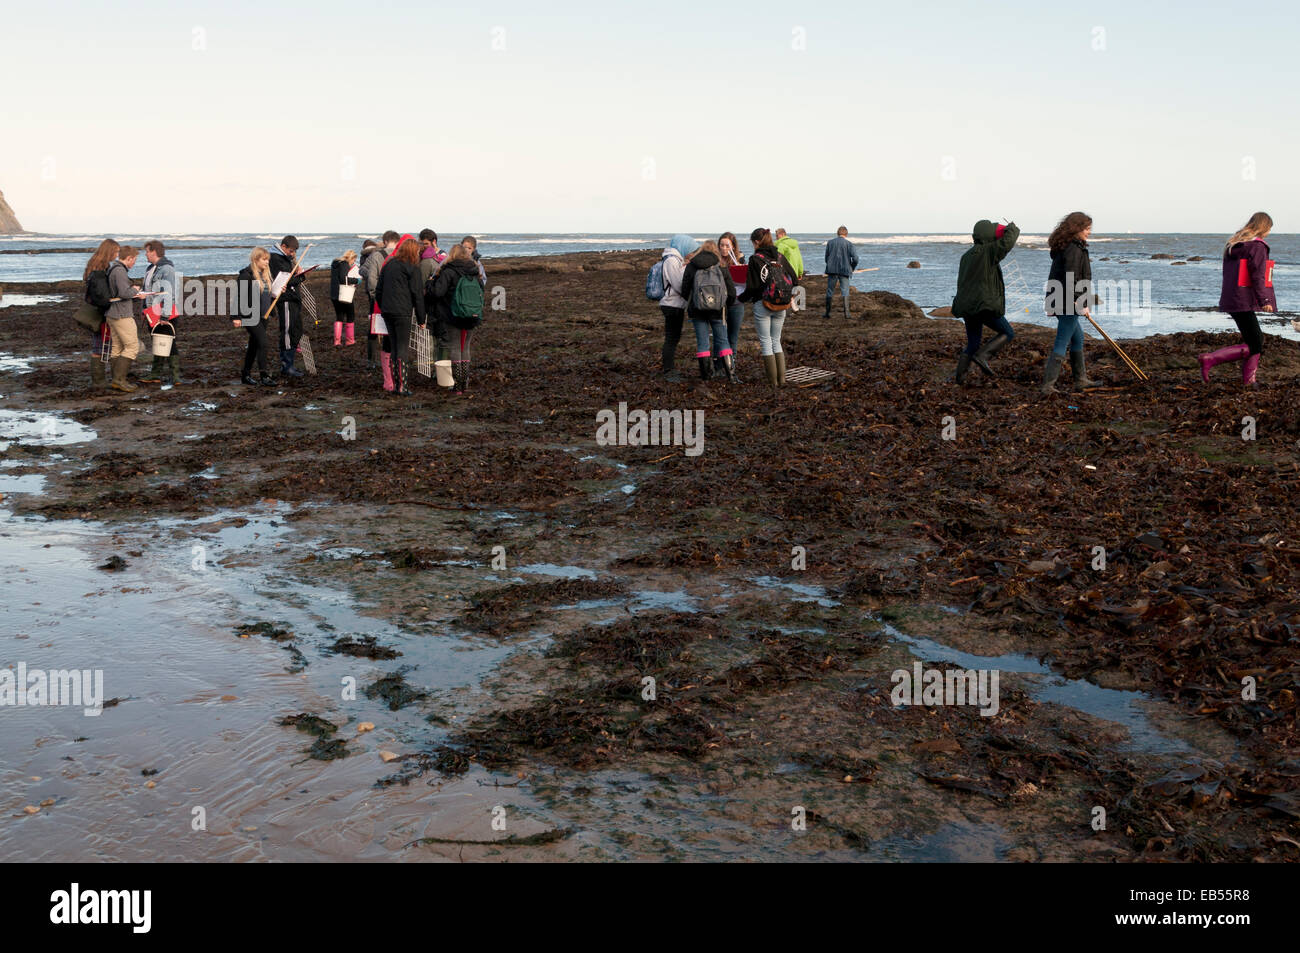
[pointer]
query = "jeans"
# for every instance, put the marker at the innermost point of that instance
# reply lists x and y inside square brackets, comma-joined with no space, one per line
[985,319]
[1067,332]
[735,318]
[768,325]
[703,325]
[834,281]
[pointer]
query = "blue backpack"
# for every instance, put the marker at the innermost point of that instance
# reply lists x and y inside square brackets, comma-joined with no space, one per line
[654,282]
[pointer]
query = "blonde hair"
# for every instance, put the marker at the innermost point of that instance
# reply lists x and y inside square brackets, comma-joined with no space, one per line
[259,259]
[1261,223]
[349,256]
[458,251]
[710,245]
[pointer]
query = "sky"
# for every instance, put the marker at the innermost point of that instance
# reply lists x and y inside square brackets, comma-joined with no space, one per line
[917,117]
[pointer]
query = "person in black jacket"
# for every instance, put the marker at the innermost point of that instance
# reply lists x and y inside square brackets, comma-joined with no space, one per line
[714,281]
[251,303]
[1069,295]
[344,278]
[768,318]
[981,299]
[460,265]
[400,295]
[289,307]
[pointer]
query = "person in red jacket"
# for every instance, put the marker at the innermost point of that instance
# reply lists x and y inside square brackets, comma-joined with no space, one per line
[1247,288]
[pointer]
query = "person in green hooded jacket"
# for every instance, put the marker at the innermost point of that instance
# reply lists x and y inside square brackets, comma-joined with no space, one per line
[981,299]
[788,247]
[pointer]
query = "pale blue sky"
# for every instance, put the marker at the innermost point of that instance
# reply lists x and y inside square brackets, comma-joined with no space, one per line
[615,117]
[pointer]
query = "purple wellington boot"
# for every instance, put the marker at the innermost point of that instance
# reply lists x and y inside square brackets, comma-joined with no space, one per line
[1224,354]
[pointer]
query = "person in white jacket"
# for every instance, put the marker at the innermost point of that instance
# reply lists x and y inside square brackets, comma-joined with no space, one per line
[673,304]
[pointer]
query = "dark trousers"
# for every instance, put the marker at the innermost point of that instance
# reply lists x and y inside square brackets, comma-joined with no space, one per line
[345,312]
[399,336]
[673,318]
[985,319]
[256,350]
[1248,325]
[290,331]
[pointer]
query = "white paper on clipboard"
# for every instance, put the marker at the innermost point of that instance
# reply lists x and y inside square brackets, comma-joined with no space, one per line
[379,327]
[280,281]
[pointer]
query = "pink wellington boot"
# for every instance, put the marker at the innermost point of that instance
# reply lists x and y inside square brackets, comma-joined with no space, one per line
[351,330]
[1224,354]
[1248,370]
[338,333]
[386,365]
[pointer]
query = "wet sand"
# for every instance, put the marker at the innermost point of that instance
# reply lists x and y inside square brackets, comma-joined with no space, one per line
[522,687]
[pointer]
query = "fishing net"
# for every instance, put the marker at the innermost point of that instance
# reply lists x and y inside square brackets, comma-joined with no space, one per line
[423,343]
[1019,296]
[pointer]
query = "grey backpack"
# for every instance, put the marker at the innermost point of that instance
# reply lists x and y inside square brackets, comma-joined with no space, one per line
[710,291]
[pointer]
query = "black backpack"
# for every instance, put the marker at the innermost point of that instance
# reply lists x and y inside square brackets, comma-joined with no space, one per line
[98,294]
[778,288]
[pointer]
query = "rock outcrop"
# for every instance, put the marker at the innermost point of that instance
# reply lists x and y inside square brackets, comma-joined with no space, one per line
[8,221]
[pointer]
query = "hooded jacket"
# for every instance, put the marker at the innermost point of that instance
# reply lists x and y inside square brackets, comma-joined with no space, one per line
[281,263]
[123,292]
[371,262]
[979,275]
[1069,284]
[1258,291]
[758,261]
[444,286]
[788,247]
[399,292]
[161,276]
[841,257]
[674,259]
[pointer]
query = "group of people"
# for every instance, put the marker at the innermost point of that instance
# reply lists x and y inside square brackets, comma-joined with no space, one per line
[409,282]
[981,297]
[710,282]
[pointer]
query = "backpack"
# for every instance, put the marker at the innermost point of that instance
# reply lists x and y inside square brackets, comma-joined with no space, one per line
[655,288]
[467,302]
[710,290]
[98,293]
[778,287]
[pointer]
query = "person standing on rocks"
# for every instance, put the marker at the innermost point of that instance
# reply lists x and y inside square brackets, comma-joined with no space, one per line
[344,278]
[255,293]
[400,295]
[372,259]
[673,305]
[734,261]
[431,259]
[981,299]
[1069,295]
[709,292]
[789,248]
[1247,288]
[160,279]
[770,286]
[284,262]
[471,246]
[458,297]
[841,262]
[121,317]
[101,337]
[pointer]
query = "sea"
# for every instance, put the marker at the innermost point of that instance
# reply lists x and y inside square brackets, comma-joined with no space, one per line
[1142,294]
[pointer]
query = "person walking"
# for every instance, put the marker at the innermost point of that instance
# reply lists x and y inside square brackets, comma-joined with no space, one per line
[160,281]
[1247,288]
[1069,295]
[345,275]
[770,286]
[841,262]
[981,299]
[254,302]
[400,296]
[709,291]
[734,261]
[121,317]
[458,297]
[673,305]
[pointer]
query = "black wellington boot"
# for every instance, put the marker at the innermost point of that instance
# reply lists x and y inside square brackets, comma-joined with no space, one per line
[990,349]
[963,367]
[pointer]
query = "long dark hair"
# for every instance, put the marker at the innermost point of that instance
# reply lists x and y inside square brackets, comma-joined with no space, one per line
[104,256]
[735,246]
[1068,229]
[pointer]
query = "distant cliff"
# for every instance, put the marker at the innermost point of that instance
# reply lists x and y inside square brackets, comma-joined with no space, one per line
[8,221]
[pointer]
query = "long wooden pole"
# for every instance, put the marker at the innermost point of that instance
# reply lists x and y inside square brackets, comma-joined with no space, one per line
[267,316]
[1141,374]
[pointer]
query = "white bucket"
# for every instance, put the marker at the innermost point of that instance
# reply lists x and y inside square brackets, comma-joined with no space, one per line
[347,293]
[444,373]
[164,335]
